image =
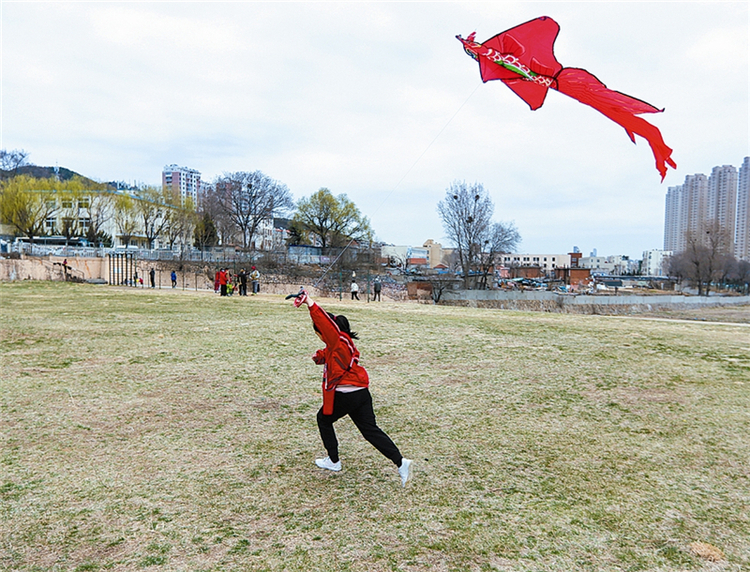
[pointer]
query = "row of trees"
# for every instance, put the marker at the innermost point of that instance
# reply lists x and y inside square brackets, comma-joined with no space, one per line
[235,205]
[707,260]
[83,208]
[232,209]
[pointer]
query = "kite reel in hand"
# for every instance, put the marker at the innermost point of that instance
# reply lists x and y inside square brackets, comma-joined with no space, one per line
[299,298]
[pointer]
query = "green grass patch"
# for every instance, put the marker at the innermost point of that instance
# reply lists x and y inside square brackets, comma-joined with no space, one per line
[176,430]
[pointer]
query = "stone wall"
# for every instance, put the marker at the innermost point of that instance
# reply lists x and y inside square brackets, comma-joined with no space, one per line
[609,305]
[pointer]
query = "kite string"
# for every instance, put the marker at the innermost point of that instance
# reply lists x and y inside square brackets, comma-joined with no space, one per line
[401,180]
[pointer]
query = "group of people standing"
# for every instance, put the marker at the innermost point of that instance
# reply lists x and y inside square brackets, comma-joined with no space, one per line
[226,283]
[377,287]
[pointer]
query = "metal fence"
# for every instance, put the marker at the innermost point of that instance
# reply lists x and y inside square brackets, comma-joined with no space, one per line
[214,255]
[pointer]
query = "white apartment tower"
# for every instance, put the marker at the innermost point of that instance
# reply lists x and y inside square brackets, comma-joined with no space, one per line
[742,228]
[186,182]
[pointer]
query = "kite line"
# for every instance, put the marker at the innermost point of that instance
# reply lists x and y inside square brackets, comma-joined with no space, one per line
[401,180]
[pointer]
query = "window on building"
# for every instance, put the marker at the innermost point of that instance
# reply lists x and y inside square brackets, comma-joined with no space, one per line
[67,203]
[83,203]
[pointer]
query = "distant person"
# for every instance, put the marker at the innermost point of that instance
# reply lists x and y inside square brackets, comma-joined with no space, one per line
[152,275]
[345,390]
[243,282]
[354,290]
[376,288]
[223,279]
[216,281]
[255,277]
[174,279]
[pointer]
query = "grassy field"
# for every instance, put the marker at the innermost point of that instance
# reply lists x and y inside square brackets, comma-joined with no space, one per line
[170,430]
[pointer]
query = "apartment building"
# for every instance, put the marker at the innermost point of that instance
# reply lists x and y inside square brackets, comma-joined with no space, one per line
[742,225]
[655,262]
[186,182]
[722,197]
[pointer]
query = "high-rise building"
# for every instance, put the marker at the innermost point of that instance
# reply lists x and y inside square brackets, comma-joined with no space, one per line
[673,223]
[186,182]
[742,226]
[722,200]
[685,210]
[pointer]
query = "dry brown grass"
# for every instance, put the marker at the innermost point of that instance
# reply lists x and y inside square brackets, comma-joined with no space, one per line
[146,429]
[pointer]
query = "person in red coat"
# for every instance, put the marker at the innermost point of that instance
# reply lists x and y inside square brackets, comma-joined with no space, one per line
[345,390]
[223,280]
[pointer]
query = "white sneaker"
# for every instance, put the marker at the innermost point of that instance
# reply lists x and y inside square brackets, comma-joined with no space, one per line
[405,471]
[328,464]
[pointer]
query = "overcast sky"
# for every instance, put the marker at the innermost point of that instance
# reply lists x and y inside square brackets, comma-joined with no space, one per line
[379,101]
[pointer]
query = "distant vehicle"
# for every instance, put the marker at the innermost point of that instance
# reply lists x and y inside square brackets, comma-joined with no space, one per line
[52,241]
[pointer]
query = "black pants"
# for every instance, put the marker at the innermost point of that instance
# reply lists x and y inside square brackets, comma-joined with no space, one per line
[358,406]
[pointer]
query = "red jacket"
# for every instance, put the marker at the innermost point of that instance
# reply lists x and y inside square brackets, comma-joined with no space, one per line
[340,356]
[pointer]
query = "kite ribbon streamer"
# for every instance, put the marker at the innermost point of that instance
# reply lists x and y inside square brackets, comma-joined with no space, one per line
[620,108]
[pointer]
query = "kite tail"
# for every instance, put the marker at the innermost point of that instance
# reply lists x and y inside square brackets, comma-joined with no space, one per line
[620,108]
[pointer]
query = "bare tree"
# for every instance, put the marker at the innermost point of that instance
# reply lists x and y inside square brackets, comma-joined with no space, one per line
[501,238]
[12,160]
[742,275]
[706,258]
[466,212]
[210,208]
[249,199]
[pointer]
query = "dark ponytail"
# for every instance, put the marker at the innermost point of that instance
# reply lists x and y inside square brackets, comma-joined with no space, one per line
[343,325]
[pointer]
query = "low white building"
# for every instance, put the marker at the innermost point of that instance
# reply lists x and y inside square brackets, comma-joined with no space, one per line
[547,262]
[615,265]
[655,262]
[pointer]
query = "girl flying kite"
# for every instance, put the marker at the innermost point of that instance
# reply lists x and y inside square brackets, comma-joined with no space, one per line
[345,389]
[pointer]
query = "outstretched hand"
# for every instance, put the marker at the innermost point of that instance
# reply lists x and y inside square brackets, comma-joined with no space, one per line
[300,298]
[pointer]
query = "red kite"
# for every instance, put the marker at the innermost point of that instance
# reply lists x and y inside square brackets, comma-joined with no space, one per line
[523,59]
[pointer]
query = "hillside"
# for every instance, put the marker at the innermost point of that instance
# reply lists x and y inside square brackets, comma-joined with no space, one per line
[43,173]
